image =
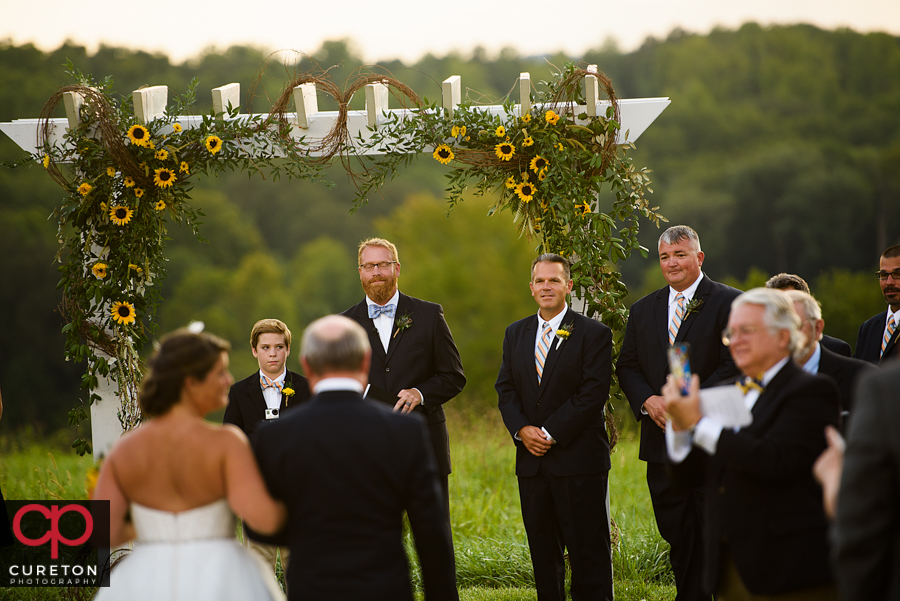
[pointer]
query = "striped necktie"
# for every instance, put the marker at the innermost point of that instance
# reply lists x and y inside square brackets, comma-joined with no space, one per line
[888,334]
[676,318]
[543,347]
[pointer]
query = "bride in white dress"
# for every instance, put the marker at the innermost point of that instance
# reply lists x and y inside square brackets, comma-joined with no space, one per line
[174,482]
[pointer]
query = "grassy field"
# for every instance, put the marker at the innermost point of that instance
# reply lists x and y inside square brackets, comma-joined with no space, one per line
[492,559]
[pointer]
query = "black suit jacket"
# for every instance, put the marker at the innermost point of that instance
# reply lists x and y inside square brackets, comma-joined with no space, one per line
[868,341]
[867,527]
[247,408]
[569,401]
[347,468]
[845,372]
[421,356]
[643,364]
[836,345]
[762,501]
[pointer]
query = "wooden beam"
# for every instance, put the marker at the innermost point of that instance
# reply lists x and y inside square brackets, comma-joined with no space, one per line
[150,103]
[376,102]
[524,93]
[73,102]
[451,89]
[306,103]
[591,91]
[226,97]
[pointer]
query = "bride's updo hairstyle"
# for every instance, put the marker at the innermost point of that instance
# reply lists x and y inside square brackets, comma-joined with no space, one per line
[180,354]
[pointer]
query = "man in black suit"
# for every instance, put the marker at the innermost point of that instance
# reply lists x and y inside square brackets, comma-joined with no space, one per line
[552,387]
[766,531]
[415,363]
[347,468]
[814,358]
[789,281]
[867,527]
[877,338]
[264,395]
[692,309]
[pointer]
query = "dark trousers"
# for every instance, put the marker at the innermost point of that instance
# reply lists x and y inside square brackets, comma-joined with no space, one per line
[568,512]
[679,517]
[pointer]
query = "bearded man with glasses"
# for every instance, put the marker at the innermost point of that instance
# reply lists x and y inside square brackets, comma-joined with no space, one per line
[877,339]
[415,363]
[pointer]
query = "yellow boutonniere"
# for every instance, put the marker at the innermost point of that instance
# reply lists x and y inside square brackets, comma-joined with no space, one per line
[563,333]
[287,391]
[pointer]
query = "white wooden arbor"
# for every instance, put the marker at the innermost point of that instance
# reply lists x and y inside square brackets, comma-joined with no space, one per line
[313,125]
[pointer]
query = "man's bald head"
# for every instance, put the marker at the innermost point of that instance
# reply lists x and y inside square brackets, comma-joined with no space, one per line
[335,345]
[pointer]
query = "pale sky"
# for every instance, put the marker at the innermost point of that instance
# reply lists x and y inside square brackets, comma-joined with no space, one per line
[407,29]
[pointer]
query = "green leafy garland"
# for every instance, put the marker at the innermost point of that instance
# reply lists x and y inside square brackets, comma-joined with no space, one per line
[125,180]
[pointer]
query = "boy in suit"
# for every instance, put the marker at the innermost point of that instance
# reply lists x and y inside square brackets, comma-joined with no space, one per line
[265,395]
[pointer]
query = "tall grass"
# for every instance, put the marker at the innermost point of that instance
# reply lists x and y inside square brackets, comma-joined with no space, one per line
[492,558]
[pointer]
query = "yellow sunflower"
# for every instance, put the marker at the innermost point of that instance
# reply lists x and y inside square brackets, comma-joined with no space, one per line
[162,154]
[139,135]
[46,161]
[585,208]
[462,131]
[111,171]
[500,132]
[129,181]
[163,177]
[525,191]
[539,163]
[135,268]
[124,313]
[504,151]
[526,118]
[99,270]
[528,141]
[510,182]
[560,147]
[177,128]
[454,131]
[213,144]
[138,192]
[443,154]
[551,117]
[121,215]
[104,208]
[85,189]
[542,174]
[184,168]
[160,205]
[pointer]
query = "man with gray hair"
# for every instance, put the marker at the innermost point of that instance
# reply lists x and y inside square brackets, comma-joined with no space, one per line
[789,281]
[347,468]
[815,358]
[691,309]
[766,532]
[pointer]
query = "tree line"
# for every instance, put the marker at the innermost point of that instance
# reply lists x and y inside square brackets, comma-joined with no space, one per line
[780,148]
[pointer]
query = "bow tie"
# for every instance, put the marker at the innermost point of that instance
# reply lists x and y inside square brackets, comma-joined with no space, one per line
[746,384]
[376,310]
[265,382]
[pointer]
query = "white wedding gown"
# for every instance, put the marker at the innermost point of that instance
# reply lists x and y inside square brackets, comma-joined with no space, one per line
[191,556]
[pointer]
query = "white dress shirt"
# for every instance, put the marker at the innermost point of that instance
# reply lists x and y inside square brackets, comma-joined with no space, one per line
[385,325]
[271,394]
[331,384]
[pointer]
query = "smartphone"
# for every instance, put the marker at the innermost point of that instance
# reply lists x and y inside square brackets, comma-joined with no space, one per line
[680,365]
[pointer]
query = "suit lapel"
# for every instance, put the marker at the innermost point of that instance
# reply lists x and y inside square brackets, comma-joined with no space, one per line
[770,398]
[701,294]
[528,338]
[404,307]
[256,397]
[661,314]
[553,353]
[361,315]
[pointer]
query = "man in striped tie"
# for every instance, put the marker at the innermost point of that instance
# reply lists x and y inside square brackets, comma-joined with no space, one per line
[552,389]
[877,339]
[691,309]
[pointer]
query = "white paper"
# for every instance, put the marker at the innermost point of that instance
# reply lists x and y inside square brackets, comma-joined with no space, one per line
[725,406]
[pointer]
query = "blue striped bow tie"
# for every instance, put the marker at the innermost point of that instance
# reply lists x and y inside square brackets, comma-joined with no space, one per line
[376,310]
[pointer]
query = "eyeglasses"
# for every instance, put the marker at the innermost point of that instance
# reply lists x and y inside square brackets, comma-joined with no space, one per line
[382,266]
[883,275]
[728,334]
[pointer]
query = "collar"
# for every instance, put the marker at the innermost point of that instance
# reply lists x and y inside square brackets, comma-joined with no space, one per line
[555,322]
[394,299]
[279,378]
[330,384]
[773,371]
[812,364]
[687,293]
